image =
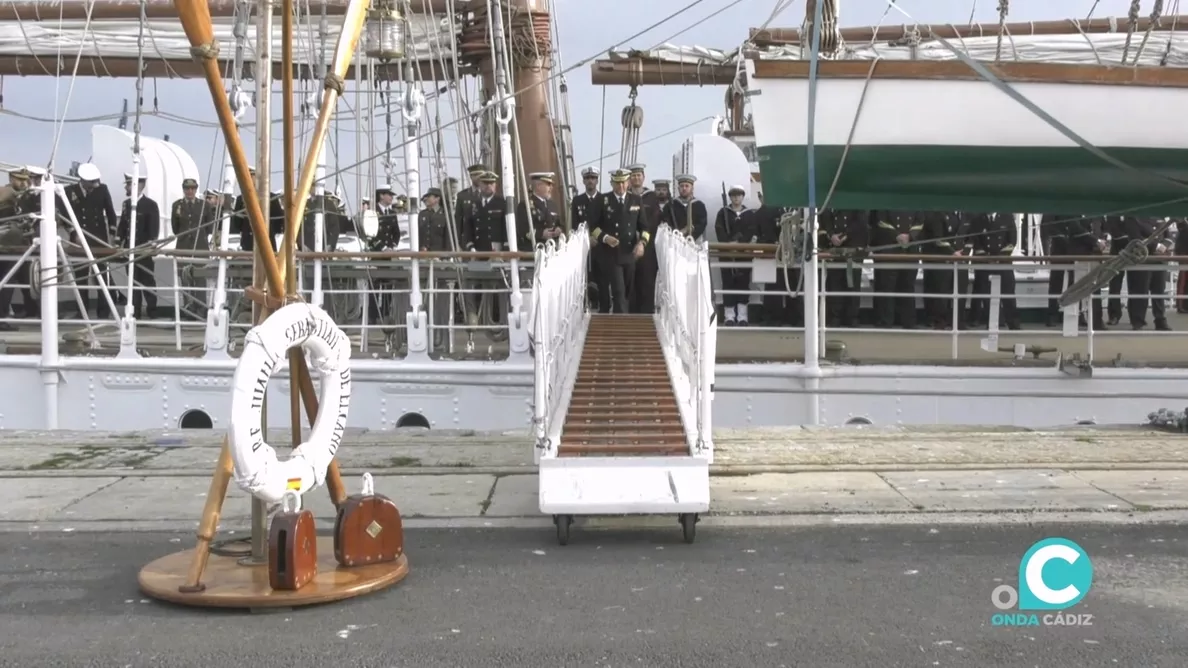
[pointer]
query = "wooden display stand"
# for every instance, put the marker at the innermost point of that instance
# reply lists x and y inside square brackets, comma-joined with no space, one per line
[196,576]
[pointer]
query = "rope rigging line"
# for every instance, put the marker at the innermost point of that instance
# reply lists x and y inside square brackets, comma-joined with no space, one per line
[70,90]
[560,72]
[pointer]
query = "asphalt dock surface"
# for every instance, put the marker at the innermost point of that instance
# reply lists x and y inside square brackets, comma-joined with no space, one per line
[850,596]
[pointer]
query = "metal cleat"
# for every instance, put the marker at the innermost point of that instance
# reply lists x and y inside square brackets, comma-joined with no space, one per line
[1075,366]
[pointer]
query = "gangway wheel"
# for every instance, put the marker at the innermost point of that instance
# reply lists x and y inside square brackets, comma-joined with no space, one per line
[689,526]
[563,522]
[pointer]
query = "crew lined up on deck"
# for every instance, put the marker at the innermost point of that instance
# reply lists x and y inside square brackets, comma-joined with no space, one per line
[623,222]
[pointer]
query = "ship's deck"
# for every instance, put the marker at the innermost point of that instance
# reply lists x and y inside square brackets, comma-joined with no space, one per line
[735,344]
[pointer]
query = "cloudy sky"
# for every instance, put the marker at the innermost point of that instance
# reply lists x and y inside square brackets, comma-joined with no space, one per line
[587,28]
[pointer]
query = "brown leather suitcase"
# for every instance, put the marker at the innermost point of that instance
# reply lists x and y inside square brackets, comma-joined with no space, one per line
[292,546]
[368,529]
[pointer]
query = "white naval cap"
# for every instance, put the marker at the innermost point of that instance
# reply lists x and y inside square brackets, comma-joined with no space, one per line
[591,171]
[738,189]
[637,168]
[88,172]
[686,178]
[128,177]
[545,177]
[34,170]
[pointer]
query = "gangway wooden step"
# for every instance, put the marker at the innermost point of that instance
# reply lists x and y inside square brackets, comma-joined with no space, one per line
[622,402]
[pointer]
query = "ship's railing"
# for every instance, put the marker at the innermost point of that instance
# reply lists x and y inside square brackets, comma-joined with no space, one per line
[558,322]
[465,296]
[944,314]
[687,326]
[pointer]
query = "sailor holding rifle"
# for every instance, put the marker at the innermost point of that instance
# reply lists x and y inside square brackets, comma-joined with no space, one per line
[686,214]
[736,224]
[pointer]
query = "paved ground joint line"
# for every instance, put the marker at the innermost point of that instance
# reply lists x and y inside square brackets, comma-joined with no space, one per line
[899,491]
[1107,492]
[93,492]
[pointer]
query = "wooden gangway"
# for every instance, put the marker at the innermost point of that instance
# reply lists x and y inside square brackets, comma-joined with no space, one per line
[623,401]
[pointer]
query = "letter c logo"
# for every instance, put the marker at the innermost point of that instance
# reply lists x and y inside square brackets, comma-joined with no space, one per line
[1055,574]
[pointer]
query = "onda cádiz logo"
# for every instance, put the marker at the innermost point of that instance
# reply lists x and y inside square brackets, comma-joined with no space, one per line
[1054,575]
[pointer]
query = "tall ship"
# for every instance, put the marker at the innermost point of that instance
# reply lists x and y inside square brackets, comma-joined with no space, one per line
[1049,122]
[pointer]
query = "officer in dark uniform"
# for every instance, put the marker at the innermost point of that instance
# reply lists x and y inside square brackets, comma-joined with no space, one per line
[1148,283]
[1054,234]
[735,224]
[95,211]
[190,219]
[387,238]
[841,233]
[433,234]
[484,229]
[994,235]
[148,230]
[686,214]
[388,233]
[186,218]
[619,239]
[542,224]
[584,209]
[945,233]
[893,232]
[274,209]
[648,267]
[465,199]
[433,230]
[334,219]
[1119,238]
[16,206]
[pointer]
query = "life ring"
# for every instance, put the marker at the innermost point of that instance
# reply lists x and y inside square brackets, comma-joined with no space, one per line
[328,353]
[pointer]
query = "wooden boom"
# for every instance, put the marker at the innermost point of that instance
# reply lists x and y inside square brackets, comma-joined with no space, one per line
[775,36]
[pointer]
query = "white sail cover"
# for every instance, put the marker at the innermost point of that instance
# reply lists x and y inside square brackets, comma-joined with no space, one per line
[165,39]
[1087,49]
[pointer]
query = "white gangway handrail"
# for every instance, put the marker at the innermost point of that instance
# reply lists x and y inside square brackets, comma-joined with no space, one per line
[687,325]
[559,321]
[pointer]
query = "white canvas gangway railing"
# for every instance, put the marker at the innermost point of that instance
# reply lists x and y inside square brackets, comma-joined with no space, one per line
[558,321]
[687,325]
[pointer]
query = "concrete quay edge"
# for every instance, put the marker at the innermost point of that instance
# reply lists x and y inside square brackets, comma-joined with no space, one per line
[715,470]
